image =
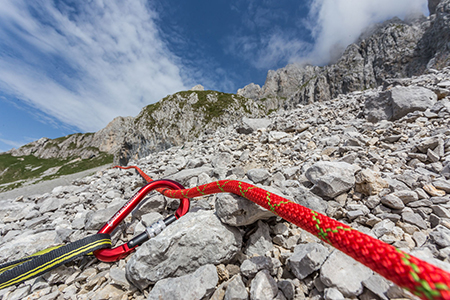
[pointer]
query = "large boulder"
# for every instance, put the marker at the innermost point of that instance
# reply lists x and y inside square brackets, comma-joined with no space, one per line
[195,240]
[377,107]
[331,179]
[249,125]
[397,102]
[409,99]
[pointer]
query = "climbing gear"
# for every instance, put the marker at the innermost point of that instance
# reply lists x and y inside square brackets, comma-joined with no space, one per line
[119,252]
[18,271]
[417,276]
[43,261]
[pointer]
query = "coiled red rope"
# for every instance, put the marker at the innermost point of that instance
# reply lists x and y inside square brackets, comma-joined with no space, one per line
[415,275]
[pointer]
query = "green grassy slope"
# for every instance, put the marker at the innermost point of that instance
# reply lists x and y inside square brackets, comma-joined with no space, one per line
[16,170]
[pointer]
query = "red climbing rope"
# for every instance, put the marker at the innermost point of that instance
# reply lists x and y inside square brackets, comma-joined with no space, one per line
[409,272]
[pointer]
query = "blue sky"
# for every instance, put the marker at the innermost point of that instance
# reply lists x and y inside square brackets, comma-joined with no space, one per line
[71,66]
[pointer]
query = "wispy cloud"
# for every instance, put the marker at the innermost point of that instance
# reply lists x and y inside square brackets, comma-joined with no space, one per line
[331,26]
[268,36]
[270,50]
[14,144]
[87,63]
[335,24]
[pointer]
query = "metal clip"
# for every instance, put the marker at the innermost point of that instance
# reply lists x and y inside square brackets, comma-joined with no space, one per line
[115,254]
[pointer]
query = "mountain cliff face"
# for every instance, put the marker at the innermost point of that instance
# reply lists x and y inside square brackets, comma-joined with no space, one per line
[393,49]
[182,117]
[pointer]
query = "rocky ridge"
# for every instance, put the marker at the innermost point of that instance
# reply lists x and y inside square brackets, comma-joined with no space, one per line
[393,49]
[173,120]
[388,177]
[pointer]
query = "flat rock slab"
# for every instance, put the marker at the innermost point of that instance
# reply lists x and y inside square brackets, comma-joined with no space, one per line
[238,211]
[397,102]
[344,273]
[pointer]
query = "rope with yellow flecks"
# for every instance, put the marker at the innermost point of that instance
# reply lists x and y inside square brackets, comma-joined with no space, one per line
[409,272]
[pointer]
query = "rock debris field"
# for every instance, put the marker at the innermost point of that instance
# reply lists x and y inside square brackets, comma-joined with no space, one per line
[378,160]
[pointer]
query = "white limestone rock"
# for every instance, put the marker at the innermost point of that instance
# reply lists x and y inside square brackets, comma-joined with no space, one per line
[194,240]
[344,273]
[331,179]
[197,285]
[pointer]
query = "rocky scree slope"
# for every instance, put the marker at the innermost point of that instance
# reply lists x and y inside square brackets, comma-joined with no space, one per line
[388,177]
[394,49]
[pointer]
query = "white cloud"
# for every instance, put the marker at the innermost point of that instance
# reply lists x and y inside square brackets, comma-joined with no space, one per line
[10,143]
[279,48]
[337,23]
[268,51]
[85,65]
[333,24]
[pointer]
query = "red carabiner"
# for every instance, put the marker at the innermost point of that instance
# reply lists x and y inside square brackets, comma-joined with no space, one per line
[115,254]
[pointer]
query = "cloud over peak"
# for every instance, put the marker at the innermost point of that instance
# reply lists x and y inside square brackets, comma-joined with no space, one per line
[335,24]
[83,63]
[319,36]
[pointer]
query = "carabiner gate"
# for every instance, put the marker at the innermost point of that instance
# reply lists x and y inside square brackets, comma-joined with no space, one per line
[119,252]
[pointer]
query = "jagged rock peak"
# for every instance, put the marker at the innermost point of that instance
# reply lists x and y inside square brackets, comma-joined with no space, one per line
[198,87]
[432,5]
[252,91]
[393,49]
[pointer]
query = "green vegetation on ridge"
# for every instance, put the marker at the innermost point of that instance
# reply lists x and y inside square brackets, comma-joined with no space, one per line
[210,109]
[217,108]
[13,169]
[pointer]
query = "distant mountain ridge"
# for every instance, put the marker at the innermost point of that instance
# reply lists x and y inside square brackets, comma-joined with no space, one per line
[169,122]
[393,49]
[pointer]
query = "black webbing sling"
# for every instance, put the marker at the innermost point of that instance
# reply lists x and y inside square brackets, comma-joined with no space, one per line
[18,271]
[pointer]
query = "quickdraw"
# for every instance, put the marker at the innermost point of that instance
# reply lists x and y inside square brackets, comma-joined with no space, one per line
[18,271]
[417,276]
[119,252]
